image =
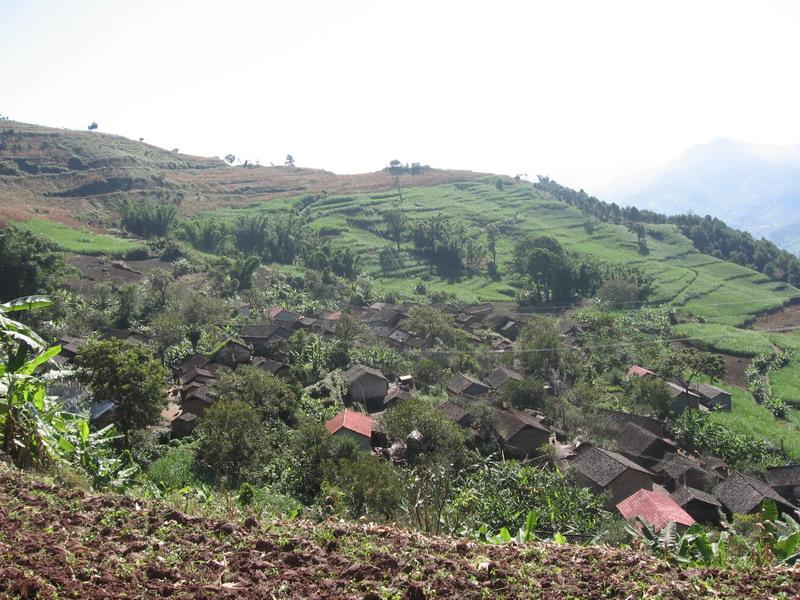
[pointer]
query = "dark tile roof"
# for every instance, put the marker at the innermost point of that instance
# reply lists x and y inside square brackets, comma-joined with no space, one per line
[787,475]
[637,441]
[501,375]
[603,466]
[460,382]
[684,495]
[198,360]
[675,465]
[453,411]
[706,390]
[356,372]
[510,422]
[742,494]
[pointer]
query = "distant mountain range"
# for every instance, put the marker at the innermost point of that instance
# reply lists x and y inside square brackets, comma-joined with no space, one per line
[749,186]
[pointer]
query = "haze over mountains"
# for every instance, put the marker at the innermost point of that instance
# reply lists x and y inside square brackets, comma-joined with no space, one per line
[749,186]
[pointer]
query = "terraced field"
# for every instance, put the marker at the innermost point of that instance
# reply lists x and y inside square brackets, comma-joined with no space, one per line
[79,241]
[722,293]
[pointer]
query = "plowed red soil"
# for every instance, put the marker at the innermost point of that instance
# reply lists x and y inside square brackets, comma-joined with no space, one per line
[63,543]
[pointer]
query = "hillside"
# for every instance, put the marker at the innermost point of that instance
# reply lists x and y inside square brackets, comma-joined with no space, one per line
[55,542]
[77,177]
[751,187]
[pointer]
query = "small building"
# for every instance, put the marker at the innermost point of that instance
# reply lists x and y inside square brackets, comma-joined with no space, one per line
[197,400]
[713,397]
[606,471]
[678,471]
[656,509]
[681,399]
[703,506]
[643,446]
[365,384]
[231,352]
[510,329]
[653,425]
[522,434]
[465,385]
[501,376]
[455,413]
[260,336]
[785,481]
[281,316]
[195,375]
[183,424]
[273,367]
[354,425]
[70,345]
[479,311]
[742,494]
[195,361]
[637,371]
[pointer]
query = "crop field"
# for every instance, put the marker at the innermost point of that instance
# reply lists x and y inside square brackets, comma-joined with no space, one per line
[722,293]
[724,338]
[747,416]
[79,241]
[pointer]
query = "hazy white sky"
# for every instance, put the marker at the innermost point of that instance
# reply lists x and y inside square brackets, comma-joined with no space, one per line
[579,90]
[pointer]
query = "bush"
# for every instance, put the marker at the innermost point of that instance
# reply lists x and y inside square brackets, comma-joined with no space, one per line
[619,294]
[176,469]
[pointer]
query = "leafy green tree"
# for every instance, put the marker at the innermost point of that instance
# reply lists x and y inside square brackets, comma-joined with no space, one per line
[686,365]
[395,220]
[543,350]
[370,485]
[29,264]
[439,440]
[427,321]
[232,442]
[160,281]
[651,395]
[619,294]
[201,313]
[130,376]
[527,393]
[269,395]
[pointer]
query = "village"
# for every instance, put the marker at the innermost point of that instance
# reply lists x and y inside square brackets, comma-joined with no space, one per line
[646,474]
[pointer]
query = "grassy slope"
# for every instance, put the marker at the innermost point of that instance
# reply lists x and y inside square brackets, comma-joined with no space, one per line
[79,241]
[721,292]
[57,542]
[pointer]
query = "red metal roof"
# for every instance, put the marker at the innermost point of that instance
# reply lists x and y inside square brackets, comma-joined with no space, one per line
[352,421]
[639,371]
[657,509]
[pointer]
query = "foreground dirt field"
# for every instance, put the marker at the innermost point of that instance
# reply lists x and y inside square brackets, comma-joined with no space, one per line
[62,543]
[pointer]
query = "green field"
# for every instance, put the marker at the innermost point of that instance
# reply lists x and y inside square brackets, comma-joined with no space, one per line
[747,416]
[724,338]
[79,241]
[721,292]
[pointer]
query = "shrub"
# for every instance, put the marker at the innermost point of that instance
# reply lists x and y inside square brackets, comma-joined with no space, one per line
[176,469]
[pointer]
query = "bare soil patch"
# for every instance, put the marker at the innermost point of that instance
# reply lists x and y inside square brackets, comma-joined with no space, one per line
[788,316]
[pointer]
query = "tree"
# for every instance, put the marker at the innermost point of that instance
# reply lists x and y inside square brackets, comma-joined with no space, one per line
[543,350]
[159,282]
[269,395]
[29,264]
[527,393]
[369,485]
[289,160]
[438,440]
[230,159]
[395,220]
[232,442]
[130,376]
[651,395]
[200,313]
[619,294]
[427,321]
[686,365]
[492,233]
[92,126]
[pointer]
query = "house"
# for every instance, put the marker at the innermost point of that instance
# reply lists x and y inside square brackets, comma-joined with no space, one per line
[501,376]
[681,399]
[196,360]
[354,425]
[183,424]
[703,506]
[198,376]
[479,311]
[511,329]
[70,345]
[465,385]
[281,316]
[677,471]
[242,309]
[643,446]
[365,384]
[259,336]
[273,367]
[785,481]
[231,352]
[655,426]
[197,400]
[522,434]
[655,508]
[742,494]
[712,397]
[606,471]
[637,371]
[455,413]
[388,317]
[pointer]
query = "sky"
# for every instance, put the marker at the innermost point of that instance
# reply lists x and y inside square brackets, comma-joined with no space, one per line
[582,91]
